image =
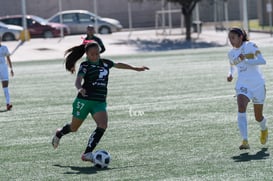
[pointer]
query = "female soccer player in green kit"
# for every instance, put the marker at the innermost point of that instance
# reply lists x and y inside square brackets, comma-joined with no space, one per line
[91,83]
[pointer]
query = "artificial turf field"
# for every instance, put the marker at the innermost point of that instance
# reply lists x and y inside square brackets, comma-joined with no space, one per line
[176,121]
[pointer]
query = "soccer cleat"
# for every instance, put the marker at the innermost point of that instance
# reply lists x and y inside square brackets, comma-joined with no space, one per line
[87,157]
[264,136]
[244,145]
[55,140]
[9,106]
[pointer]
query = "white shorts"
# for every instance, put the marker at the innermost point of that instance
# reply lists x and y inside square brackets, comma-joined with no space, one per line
[4,74]
[257,95]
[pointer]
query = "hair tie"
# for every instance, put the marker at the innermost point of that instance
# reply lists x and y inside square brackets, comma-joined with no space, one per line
[87,41]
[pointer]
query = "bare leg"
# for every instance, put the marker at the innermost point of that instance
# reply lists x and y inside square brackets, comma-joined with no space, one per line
[75,124]
[242,102]
[101,119]
[258,111]
[5,83]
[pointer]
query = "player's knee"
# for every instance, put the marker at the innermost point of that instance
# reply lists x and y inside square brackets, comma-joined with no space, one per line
[102,124]
[259,117]
[241,109]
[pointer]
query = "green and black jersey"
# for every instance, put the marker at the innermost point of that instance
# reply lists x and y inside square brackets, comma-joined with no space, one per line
[95,75]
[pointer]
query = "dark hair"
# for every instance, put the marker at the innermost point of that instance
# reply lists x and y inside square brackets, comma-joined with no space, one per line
[75,53]
[239,32]
[90,26]
[91,44]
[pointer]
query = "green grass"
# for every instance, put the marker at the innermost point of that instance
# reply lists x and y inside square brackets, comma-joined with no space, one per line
[188,130]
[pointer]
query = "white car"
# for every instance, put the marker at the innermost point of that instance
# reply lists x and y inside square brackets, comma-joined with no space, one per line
[10,32]
[78,20]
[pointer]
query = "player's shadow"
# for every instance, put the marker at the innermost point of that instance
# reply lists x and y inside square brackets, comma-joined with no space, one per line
[3,110]
[86,170]
[245,157]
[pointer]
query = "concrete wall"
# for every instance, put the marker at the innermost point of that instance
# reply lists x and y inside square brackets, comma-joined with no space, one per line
[143,13]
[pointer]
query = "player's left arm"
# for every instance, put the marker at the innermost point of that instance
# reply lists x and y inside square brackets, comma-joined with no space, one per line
[10,65]
[130,67]
[102,47]
[254,58]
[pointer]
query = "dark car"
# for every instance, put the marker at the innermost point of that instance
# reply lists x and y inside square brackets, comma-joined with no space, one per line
[78,20]
[37,26]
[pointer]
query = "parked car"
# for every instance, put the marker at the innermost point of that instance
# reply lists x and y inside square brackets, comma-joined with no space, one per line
[37,26]
[10,32]
[78,20]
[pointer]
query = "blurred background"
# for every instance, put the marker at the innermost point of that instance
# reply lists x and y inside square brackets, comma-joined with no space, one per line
[117,15]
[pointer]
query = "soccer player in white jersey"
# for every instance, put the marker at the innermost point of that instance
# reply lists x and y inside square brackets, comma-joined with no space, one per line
[4,74]
[250,86]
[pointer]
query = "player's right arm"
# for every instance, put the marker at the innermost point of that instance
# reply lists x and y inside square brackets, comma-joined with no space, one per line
[78,82]
[230,73]
[78,85]
[232,68]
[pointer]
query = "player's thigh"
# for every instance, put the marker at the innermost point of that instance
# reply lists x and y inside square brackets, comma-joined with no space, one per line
[242,102]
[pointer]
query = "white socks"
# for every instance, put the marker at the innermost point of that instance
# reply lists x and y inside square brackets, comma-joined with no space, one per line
[6,92]
[263,124]
[242,124]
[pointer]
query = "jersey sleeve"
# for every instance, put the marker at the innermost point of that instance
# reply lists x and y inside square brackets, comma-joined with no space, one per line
[254,56]
[108,63]
[82,69]
[6,50]
[233,58]
[230,57]
[251,47]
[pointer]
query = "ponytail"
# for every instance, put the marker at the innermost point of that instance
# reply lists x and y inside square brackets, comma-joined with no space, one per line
[73,55]
[76,52]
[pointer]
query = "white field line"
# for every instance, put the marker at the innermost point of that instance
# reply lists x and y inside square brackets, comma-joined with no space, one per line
[181,100]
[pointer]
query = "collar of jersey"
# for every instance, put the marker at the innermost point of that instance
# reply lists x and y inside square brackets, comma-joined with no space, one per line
[93,63]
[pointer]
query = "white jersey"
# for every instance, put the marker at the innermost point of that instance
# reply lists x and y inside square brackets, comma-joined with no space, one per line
[3,53]
[249,73]
[4,75]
